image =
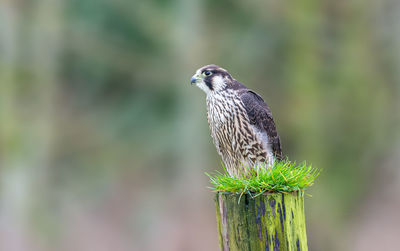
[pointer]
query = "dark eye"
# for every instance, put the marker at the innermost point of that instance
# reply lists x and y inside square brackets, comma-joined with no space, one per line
[207,73]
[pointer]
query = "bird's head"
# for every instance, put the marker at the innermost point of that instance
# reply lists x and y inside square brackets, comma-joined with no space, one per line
[211,79]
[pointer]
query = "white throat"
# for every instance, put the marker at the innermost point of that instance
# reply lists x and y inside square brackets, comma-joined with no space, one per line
[204,87]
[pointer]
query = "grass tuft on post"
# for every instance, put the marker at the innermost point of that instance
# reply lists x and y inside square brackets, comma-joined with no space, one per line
[263,210]
[284,176]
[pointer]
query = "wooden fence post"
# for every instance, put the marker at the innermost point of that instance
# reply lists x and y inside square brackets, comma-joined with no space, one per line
[273,221]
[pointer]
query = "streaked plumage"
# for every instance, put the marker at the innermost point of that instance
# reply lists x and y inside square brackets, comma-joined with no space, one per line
[241,123]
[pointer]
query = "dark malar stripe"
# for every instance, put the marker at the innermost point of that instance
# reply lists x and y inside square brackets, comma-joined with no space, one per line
[208,83]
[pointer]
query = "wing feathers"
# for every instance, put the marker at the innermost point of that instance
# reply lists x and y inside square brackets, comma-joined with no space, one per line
[260,115]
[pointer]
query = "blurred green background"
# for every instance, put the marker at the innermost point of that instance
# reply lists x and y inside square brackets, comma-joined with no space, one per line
[104,143]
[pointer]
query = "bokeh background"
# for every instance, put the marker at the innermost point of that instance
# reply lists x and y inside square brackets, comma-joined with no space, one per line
[104,143]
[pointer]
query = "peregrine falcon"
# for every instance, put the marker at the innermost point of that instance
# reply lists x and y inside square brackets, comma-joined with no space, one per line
[241,123]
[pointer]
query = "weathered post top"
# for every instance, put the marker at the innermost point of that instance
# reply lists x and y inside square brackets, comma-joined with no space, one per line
[272,221]
[263,210]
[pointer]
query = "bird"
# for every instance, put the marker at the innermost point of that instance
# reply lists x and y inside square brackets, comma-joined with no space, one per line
[241,123]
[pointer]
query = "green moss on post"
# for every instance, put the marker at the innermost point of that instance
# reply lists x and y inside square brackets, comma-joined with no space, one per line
[272,221]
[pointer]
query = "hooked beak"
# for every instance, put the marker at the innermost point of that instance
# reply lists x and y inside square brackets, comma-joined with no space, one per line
[194,79]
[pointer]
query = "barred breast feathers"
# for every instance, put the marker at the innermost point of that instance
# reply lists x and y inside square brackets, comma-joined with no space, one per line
[237,141]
